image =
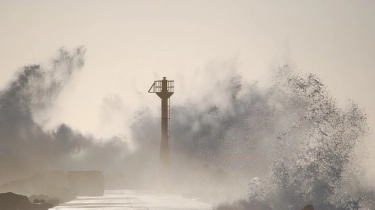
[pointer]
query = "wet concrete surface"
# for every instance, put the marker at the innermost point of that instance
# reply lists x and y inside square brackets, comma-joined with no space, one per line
[129,200]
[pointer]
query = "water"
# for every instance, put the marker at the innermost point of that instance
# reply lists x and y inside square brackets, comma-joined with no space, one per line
[317,160]
[129,199]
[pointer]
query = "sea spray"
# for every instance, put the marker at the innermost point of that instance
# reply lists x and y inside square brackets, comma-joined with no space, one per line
[315,160]
[293,136]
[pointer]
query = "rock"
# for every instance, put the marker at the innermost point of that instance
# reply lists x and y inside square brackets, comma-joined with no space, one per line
[54,202]
[11,201]
[37,183]
[37,199]
[60,185]
[41,206]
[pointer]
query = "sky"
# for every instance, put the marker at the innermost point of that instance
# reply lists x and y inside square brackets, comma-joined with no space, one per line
[132,43]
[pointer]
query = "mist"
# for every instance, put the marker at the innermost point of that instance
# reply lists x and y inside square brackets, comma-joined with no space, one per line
[26,147]
[231,139]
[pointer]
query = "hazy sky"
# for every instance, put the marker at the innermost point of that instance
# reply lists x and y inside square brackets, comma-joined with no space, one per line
[131,43]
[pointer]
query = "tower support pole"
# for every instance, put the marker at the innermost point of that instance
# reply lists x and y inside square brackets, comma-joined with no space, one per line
[164,146]
[164,94]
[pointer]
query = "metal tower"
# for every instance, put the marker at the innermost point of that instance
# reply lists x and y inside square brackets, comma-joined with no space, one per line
[164,89]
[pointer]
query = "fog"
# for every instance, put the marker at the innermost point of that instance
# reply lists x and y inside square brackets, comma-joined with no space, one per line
[282,144]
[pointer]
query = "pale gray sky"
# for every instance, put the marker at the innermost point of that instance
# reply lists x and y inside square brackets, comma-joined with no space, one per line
[132,43]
